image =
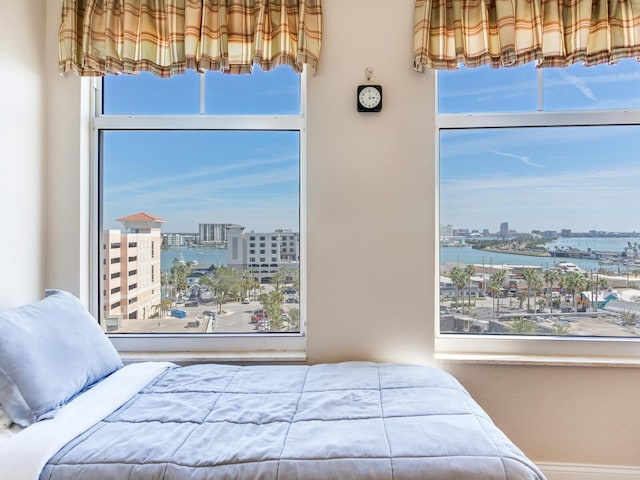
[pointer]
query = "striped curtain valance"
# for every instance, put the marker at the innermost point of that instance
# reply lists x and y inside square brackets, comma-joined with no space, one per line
[167,37]
[506,33]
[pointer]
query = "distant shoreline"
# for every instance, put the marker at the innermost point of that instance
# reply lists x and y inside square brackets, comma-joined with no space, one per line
[515,252]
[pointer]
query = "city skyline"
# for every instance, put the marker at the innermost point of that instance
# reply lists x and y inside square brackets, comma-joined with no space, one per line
[561,232]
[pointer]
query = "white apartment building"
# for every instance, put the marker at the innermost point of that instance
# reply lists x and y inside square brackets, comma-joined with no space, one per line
[179,239]
[263,253]
[131,268]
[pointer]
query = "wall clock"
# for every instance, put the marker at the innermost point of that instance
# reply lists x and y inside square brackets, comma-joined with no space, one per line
[369,98]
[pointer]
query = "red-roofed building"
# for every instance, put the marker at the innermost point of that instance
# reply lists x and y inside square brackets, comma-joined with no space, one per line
[131,269]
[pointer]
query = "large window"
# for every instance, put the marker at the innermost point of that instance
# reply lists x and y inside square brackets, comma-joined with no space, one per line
[189,171]
[538,178]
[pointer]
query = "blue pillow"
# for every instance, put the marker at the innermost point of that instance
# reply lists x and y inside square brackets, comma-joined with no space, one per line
[50,350]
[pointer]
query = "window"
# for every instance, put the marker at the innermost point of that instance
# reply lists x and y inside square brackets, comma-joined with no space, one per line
[173,153]
[538,237]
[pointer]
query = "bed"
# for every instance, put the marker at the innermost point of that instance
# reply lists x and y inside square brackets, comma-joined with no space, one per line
[90,417]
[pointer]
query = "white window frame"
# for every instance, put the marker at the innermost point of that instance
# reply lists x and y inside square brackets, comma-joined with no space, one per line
[520,349]
[229,347]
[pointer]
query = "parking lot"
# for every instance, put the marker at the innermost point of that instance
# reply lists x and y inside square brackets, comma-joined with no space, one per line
[235,318]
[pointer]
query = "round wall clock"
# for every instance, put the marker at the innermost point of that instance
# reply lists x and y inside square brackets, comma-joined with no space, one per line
[369,98]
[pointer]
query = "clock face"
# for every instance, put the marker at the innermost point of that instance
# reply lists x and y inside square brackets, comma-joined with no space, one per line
[369,97]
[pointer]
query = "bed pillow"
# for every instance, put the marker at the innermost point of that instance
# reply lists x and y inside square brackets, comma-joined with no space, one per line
[50,350]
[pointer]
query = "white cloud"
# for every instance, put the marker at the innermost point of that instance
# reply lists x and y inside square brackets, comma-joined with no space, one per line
[524,159]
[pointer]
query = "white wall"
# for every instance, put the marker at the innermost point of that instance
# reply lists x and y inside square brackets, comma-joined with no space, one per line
[369,191]
[68,171]
[22,234]
[370,186]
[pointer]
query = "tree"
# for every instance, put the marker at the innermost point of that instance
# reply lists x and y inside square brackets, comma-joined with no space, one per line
[523,325]
[576,282]
[272,305]
[459,280]
[495,287]
[528,275]
[470,271]
[294,320]
[536,284]
[226,284]
[522,296]
[601,284]
[550,277]
[245,285]
[166,284]
[206,281]
[179,271]
[165,307]
[277,280]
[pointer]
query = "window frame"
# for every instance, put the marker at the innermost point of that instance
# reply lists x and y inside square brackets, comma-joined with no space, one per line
[525,349]
[201,347]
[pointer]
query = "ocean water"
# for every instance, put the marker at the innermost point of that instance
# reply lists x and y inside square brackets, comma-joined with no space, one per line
[463,255]
[215,256]
[467,255]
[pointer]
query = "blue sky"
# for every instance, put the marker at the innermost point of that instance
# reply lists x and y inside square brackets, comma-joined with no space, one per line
[582,178]
[192,177]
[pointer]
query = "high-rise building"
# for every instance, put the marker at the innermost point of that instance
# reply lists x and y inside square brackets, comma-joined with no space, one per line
[504,229]
[131,267]
[213,234]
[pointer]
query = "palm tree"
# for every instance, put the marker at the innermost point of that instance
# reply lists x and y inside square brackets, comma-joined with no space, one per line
[562,283]
[179,272]
[536,284]
[470,271]
[576,282]
[550,277]
[165,307]
[528,276]
[277,279]
[495,287]
[522,296]
[459,280]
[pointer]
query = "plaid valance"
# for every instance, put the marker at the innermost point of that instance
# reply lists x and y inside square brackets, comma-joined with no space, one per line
[504,33]
[166,37]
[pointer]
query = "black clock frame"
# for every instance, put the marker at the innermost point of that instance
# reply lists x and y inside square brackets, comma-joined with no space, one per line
[362,108]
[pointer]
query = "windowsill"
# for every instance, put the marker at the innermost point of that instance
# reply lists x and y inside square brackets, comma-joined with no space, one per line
[539,351]
[216,357]
[538,360]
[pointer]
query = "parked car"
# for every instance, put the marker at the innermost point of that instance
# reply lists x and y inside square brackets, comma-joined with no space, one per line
[258,315]
[191,304]
[245,300]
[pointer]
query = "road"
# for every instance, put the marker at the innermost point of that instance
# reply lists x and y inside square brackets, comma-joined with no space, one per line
[235,318]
